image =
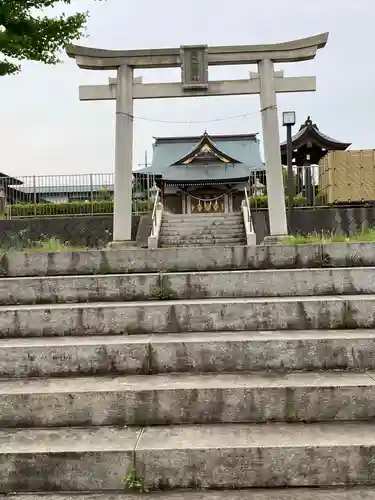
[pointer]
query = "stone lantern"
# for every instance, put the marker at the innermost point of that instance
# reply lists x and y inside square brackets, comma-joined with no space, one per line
[257,189]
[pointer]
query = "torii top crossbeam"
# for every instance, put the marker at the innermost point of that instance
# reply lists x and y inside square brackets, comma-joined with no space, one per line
[292,51]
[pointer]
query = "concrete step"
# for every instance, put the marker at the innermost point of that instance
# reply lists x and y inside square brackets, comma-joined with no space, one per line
[205,240]
[205,217]
[230,229]
[154,286]
[204,237]
[202,217]
[187,229]
[200,244]
[196,231]
[174,316]
[214,235]
[196,243]
[352,350]
[217,224]
[200,225]
[63,356]
[114,261]
[336,493]
[188,399]
[250,455]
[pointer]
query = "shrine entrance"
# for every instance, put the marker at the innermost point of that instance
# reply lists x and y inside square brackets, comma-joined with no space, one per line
[194,62]
[207,206]
[208,200]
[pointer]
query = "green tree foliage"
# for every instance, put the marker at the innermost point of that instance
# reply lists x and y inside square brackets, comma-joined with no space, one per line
[29,31]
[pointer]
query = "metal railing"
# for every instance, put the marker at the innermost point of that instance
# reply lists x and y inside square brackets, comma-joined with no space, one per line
[67,195]
[339,179]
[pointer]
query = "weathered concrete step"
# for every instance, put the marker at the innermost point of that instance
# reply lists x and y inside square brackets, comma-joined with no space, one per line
[210,219]
[187,399]
[185,259]
[174,316]
[188,228]
[202,231]
[250,455]
[206,231]
[198,219]
[67,459]
[202,217]
[196,244]
[201,241]
[352,350]
[336,493]
[204,237]
[153,286]
[200,225]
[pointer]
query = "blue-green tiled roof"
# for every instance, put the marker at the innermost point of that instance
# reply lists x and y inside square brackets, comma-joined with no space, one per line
[167,151]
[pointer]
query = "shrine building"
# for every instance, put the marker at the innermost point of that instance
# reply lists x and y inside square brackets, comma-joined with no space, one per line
[205,174]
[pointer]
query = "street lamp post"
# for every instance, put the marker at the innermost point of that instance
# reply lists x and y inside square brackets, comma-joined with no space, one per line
[289,120]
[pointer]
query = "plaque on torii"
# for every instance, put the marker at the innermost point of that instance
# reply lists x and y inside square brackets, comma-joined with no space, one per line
[194,62]
[194,67]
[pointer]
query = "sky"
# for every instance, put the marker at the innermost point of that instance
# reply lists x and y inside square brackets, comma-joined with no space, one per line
[46,130]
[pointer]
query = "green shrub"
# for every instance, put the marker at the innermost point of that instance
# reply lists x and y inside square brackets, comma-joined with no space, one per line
[262,201]
[72,208]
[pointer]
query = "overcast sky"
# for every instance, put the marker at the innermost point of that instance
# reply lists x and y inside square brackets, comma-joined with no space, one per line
[45,129]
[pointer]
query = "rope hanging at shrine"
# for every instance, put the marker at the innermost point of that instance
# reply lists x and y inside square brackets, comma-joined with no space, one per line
[207,200]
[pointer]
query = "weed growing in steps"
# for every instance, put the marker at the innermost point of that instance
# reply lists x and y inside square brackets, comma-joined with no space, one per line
[134,482]
[330,237]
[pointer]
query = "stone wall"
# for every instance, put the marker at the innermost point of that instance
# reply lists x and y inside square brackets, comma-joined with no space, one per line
[80,231]
[97,231]
[346,220]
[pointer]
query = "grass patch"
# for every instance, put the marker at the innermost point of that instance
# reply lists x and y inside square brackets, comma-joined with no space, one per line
[43,245]
[54,245]
[327,237]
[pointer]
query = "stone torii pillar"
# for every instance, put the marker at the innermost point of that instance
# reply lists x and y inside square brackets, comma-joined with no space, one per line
[194,62]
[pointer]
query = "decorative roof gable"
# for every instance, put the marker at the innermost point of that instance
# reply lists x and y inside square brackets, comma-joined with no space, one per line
[205,151]
[309,134]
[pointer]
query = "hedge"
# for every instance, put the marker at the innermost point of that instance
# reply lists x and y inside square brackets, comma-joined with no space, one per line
[106,207]
[262,201]
[72,208]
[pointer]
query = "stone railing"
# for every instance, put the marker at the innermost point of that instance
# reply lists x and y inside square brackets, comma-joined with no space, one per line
[157,215]
[249,228]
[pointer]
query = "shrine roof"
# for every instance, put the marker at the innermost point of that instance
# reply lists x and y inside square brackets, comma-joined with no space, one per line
[310,133]
[205,158]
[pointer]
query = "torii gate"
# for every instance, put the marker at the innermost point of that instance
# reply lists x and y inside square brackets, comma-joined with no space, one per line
[194,62]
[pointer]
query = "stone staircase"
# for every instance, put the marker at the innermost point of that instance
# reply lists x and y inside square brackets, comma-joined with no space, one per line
[202,229]
[259,383]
